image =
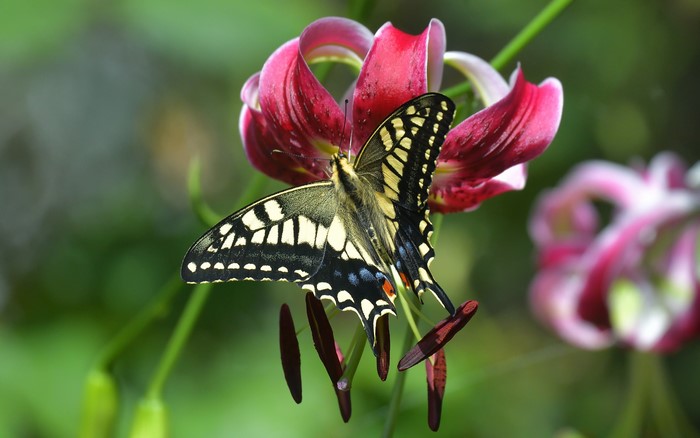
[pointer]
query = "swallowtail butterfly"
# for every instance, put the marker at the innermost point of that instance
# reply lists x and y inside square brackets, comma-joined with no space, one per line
[351,237]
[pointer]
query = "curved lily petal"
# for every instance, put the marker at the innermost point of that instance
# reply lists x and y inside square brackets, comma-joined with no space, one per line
[512,131]
[554,295]
[620,248]
[634,282]
[684,300]
[397,69]
[568,213]
[487,82]
[463,196]
[294,113]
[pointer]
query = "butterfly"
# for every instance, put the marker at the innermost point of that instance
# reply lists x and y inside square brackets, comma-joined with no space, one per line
[349,238]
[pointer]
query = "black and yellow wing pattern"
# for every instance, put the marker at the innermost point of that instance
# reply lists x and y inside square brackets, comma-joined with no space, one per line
[349,238]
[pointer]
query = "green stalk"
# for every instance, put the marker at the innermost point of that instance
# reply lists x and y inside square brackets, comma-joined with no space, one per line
[529,32]
[666,411]
[397,392]
[359,340]
[158,307]
[522,39]
[630,423]
[178,339]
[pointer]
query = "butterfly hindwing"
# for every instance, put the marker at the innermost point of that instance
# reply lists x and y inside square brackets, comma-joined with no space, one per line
[399,157]
[280,237]
[355,285]
[414,254]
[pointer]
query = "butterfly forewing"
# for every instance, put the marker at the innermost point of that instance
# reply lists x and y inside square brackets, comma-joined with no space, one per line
[399,158]
[281,237]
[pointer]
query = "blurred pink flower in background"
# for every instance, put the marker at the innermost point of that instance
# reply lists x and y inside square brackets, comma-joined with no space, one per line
[632,279]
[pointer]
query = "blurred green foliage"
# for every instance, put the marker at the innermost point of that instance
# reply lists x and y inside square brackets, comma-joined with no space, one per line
[104,104]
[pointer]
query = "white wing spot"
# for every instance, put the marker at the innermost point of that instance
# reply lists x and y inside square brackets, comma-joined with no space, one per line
[228,242]
[309,287]
[225,228]
[251,221]
[424,249]
[423,225]
[344,295]
[337,234]
[323,286]
[274,210]
[386,139]
[273,235]
[192,266]
[234,266]
[301,273]
[283,269]
[266,268]
[288,232]
[307,231]
[241,241]
[352,251]
[249,266]
[402,154]
[418,121]
[205,265]
[218,265]
[321,235]
[367,308]
[258,237]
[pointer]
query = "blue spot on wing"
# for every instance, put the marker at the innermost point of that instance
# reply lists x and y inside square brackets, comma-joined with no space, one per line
[366,275]
[352,278]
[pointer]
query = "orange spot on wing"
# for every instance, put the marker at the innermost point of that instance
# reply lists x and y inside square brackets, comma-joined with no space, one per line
[388,288]
[404,278]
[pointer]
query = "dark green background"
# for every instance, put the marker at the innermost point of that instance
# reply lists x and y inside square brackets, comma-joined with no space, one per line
[102,106]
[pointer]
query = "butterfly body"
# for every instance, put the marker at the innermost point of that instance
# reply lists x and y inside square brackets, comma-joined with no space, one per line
[347,238]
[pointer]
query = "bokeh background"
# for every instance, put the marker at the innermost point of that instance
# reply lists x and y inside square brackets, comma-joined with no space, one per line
[103,104]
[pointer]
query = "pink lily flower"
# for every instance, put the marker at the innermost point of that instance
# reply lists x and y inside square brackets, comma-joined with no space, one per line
[286,109]
[632,281]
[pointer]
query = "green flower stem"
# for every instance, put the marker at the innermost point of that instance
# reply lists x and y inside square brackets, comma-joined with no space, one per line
[630,422]
[651,407]
[359,340]
[178,339]
[397,392]
[408,312]
[360,10]
[529,32]
[158,307]
[204,213]
[522,39]
[666,410]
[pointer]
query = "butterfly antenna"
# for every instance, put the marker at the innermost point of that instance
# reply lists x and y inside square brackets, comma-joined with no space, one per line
[302,157]
[342,133]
